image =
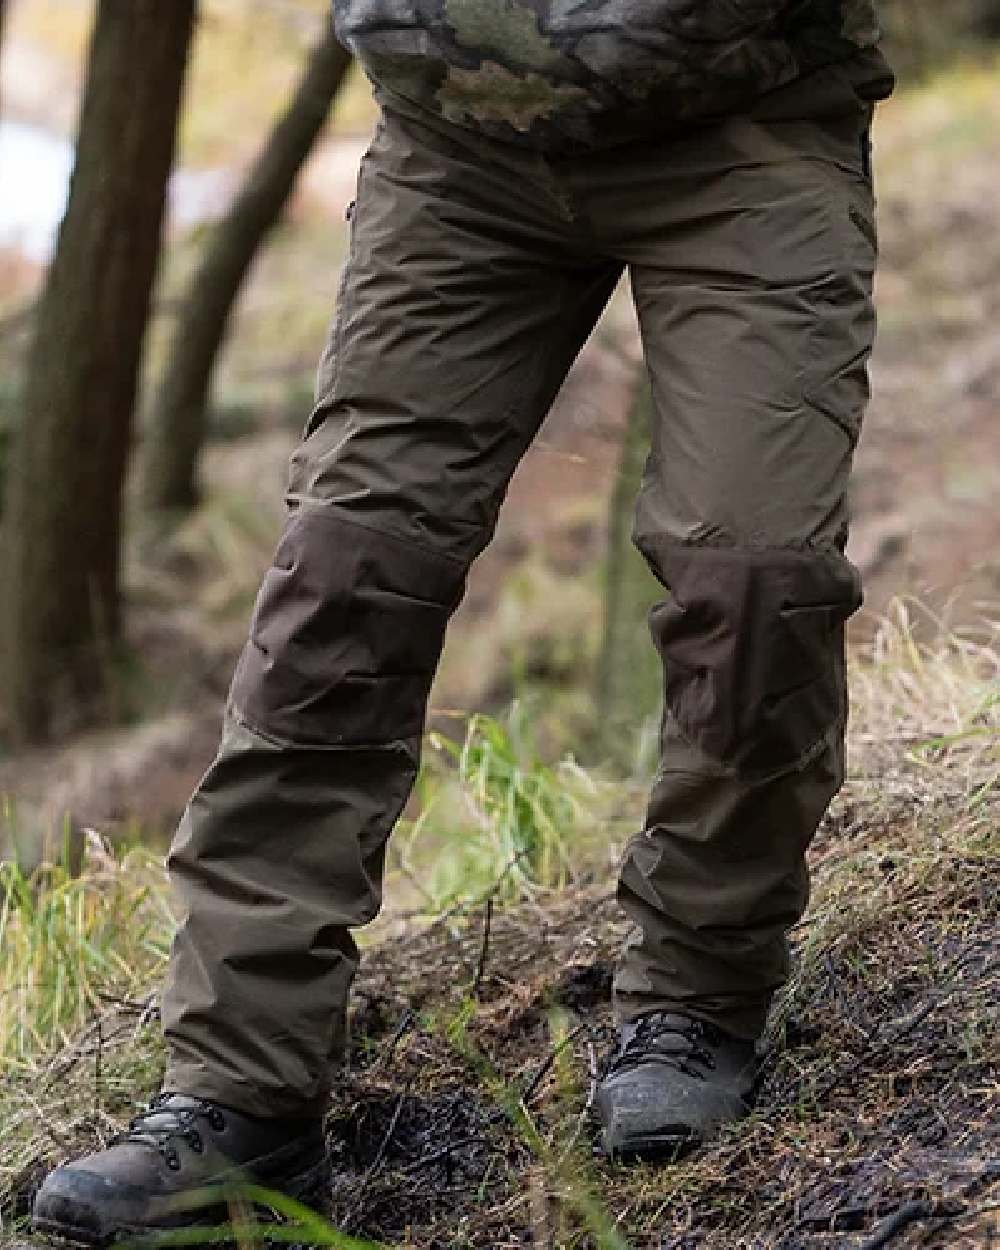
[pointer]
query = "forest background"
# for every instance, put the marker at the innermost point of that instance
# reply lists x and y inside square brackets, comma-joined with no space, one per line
[151,388]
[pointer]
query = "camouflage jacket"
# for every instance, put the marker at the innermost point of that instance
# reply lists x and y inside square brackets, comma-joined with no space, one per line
[559,74]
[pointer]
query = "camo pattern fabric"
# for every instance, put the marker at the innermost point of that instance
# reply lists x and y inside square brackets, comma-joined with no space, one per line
[558,74]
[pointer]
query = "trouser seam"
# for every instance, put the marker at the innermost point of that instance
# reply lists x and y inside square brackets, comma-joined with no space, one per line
[399,745]
[806,546]
[335,512]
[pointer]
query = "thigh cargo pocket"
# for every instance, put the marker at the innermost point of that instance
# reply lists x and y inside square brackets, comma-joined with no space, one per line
[835,378]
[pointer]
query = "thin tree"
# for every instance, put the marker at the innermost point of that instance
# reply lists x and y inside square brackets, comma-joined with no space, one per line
[629,682]
[3,17]
[178,421]
[61,541]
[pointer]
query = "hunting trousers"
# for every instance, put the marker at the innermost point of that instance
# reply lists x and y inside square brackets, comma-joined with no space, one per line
[476,272]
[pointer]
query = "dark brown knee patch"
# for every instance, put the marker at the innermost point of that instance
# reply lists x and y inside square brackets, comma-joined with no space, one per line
[346,634]
[752,647]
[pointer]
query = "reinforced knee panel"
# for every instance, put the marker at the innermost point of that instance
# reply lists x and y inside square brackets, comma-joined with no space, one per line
[752,647]
[346,634]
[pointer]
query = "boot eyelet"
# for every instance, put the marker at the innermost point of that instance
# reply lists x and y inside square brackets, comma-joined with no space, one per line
[216,1120]
[194,1140]
[173,1160]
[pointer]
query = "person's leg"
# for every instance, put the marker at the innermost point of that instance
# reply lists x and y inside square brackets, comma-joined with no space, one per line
[461,309]
[751,256]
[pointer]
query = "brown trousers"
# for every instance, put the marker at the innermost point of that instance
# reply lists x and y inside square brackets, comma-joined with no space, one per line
[476,272]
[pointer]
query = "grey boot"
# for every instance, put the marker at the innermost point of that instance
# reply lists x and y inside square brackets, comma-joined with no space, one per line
[156,1174]
[672,1083]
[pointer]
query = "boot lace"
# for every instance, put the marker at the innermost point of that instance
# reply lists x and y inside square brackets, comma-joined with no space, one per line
[677,1042]
[169,1119]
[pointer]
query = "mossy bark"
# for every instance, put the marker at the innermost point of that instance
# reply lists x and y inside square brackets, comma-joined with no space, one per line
[61,542]
[178,423]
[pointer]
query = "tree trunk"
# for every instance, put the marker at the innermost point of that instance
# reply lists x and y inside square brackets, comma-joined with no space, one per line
[629,682]
[62,529]
[177,426]
[986,19]
[3,15]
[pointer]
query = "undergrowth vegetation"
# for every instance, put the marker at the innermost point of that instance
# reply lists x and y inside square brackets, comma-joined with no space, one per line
[70,937]
[496,817]
[481,1016]
[68,940]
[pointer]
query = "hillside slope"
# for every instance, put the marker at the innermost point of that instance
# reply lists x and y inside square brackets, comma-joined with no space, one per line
[463,1118]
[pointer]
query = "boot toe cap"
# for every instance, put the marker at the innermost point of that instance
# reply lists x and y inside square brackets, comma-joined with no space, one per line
[77,1204]
[650,1111]
[84,1204]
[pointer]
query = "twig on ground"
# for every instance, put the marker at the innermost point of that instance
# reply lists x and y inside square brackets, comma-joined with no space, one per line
[879,1049]
[484,949]
[593,1072]
[406,1022]
[63,1063]
[465,906]
[533,1085]
[98,1074]
[593,1075]
[376,1163]
[901,1218]
[384,1143]
[439,1155]
[135,1006]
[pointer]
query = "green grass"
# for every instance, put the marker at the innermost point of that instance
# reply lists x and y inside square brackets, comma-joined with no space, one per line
[72,940]
[298,1225]
[495,817]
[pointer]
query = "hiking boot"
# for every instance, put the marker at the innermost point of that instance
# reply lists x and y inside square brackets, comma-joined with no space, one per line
[154,1175]
[672,1083]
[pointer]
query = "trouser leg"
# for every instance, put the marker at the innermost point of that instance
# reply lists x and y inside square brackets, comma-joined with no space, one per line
[460,312]
[754,298]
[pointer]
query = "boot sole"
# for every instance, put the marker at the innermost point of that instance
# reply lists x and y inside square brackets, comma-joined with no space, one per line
[652,1148]
[307,1187]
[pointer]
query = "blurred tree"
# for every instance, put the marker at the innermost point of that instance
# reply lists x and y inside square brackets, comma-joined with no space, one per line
[3,14]
[61,539]
[921,35]
[629,682]
[177,427]
[986,18]
[3,20]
